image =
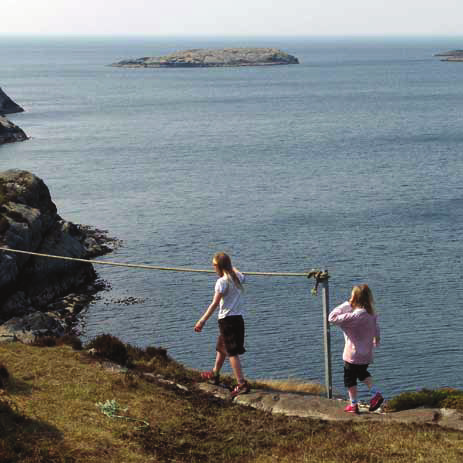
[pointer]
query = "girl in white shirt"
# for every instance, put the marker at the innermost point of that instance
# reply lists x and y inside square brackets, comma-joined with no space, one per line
[230,342]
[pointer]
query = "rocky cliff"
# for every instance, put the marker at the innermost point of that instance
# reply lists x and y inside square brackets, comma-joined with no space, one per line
[30,285]
[214,58]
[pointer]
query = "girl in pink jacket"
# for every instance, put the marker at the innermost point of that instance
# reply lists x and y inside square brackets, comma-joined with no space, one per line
[359,323]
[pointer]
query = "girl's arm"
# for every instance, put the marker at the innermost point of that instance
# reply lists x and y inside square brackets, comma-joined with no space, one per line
[339,314]
[209,311]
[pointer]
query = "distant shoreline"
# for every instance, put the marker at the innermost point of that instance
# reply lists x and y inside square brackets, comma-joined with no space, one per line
[452,55]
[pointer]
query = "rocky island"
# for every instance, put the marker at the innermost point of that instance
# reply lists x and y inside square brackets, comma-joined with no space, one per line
[9,132]
[205,57]
[452,55]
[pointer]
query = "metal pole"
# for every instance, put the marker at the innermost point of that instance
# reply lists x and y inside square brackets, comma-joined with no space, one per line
[326,337]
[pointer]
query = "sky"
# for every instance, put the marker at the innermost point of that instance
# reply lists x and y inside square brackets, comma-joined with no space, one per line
[232,17]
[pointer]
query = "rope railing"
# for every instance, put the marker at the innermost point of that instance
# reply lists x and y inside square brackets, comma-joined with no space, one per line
[320,277]
[153,267]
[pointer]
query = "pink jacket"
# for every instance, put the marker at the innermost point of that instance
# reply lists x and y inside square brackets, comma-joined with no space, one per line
[359,330]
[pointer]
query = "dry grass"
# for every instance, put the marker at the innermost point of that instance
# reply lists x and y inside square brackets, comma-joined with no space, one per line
[49,414]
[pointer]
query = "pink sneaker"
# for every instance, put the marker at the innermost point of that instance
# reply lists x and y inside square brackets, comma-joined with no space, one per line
[376,402]
[352,409]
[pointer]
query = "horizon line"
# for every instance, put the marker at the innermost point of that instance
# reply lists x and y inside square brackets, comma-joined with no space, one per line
[229,36]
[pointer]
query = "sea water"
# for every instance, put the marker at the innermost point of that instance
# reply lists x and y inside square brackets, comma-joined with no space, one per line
[351,161]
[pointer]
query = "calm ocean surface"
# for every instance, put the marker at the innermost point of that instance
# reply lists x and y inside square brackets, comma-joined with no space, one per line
[351,161]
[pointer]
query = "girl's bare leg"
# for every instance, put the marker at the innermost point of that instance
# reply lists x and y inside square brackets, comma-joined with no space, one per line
[219,359]
[236,366]
[369,382]
[352,393]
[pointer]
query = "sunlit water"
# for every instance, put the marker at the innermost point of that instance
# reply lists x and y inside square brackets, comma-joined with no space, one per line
[351,161]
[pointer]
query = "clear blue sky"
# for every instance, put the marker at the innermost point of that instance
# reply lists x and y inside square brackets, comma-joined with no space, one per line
[232,17]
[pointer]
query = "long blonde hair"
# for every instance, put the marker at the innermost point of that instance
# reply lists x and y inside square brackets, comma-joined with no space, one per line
[362,297]
[225,267]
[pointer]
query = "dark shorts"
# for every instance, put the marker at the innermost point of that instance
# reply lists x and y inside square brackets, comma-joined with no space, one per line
[231,337]
[352,372]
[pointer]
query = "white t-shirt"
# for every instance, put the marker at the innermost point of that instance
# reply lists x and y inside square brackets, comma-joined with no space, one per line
[232,297]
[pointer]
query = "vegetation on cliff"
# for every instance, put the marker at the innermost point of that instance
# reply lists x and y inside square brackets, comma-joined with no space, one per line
[51,411]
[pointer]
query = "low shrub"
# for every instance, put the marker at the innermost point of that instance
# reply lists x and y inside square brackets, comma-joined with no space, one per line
[45,341]
[109,347]
[52,341]
[434,398]
[138,354]
[70,340]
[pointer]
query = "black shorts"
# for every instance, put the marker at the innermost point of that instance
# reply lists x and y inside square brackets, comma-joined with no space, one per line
[352,372]
[231,337]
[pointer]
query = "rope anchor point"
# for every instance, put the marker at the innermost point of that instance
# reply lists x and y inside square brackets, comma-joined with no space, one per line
[319,276]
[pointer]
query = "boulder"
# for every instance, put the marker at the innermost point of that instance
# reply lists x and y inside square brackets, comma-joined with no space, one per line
[30,327]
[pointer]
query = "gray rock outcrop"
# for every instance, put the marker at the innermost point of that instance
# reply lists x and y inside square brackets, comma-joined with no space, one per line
[10,132]
[205,57]
[28,328]
[7,105]
[29,221]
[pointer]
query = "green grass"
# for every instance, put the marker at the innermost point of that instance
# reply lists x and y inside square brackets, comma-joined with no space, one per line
[49,413]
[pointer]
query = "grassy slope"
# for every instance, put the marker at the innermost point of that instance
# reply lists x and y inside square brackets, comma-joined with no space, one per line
[49,413]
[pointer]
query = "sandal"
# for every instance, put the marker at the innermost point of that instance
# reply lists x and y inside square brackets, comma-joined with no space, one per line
[211,376]
[242,388]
